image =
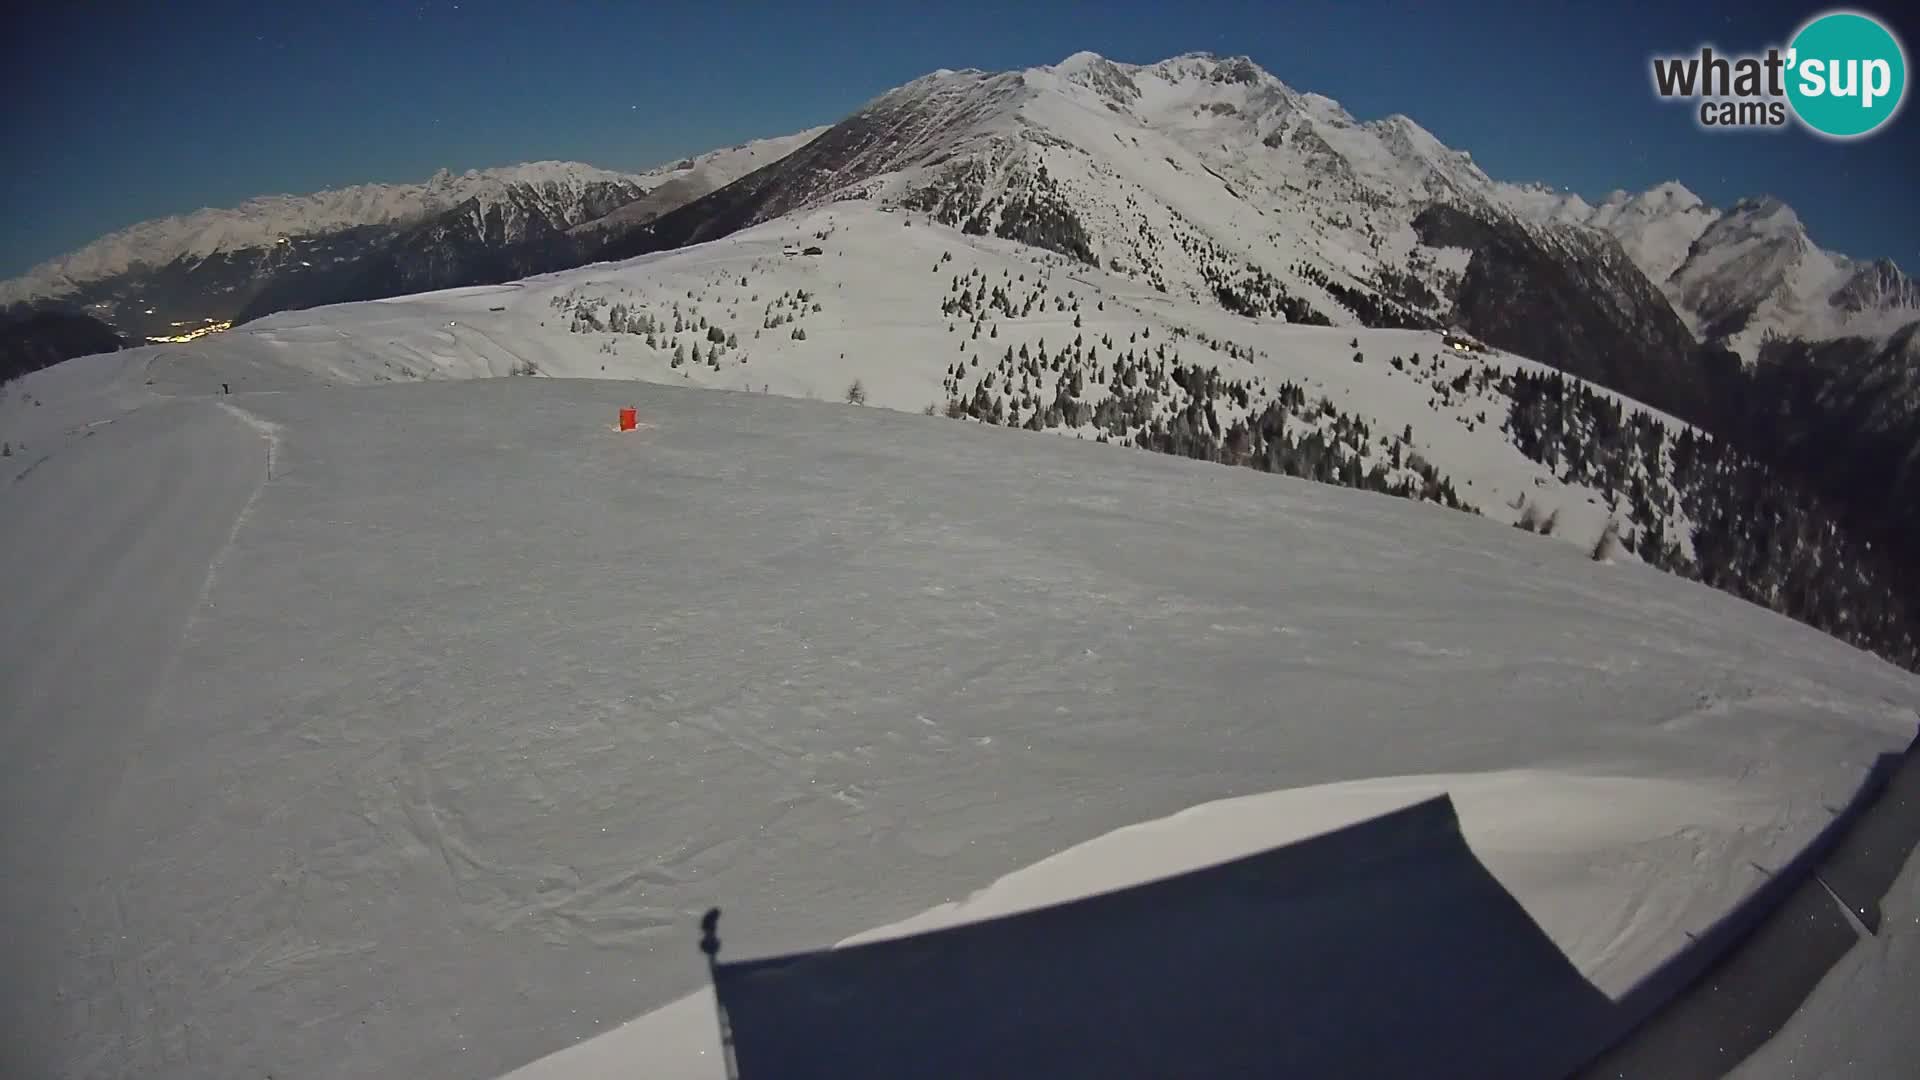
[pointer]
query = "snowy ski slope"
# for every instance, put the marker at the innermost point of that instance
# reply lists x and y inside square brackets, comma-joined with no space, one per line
[405,730]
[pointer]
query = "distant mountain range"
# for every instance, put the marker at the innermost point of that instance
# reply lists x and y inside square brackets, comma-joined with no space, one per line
[1751,273]
[1324,190]
[171,276]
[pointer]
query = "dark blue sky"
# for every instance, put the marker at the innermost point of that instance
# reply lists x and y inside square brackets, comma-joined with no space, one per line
[121,112]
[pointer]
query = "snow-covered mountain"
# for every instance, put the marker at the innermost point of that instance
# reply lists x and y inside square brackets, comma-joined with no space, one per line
[278,230]
[1206,175]
[1209,176]
[168,277]
[1209,179]
[1830,345]
[1212,182]
[1750,273]
[1657,227]
[567,191]
[683,181]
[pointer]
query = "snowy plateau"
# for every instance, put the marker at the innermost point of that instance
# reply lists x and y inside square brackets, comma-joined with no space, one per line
[376,708]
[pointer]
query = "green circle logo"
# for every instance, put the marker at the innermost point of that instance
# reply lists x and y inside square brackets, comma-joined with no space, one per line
[1847,74]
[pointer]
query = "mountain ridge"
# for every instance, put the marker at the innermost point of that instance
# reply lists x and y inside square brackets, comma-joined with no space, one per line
[191,260]
[1228,183]
[1278,202]
[263,219]
[1804,290]
[1742,288]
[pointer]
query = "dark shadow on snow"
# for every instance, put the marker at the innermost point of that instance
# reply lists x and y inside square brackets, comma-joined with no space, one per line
[1382,949]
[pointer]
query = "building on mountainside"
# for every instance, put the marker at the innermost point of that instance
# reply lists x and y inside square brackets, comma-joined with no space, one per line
[1461,343]
[789,250]
[814,250]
